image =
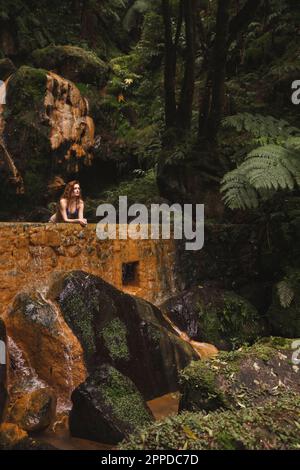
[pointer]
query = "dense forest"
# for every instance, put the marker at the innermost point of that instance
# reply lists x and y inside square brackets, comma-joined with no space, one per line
[170,101]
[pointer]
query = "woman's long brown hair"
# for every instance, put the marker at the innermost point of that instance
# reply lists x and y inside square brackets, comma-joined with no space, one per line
[69,190]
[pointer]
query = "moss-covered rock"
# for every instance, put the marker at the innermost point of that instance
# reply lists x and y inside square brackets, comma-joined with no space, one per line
[212,315]
[107,407]
[74,63]
[124,331]
[269,426]
[284,313]
[47,130]
[34,411]
[3,370]
[239,379]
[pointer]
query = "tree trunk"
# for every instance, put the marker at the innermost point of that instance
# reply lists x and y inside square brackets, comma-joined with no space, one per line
[219,60]
[170,67]
[184,114]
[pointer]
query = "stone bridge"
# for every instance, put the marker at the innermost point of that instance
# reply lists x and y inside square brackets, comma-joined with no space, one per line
[30,252]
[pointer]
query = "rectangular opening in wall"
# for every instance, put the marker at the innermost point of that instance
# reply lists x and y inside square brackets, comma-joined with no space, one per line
[130,274]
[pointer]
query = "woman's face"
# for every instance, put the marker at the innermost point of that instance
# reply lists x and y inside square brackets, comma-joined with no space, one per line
[76,190]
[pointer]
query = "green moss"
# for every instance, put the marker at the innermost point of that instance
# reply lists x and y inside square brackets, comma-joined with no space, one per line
[122,396]
[114,335]
[79,317]
[237,378]
[26,90]
[230,320]
[74,62]
[271,426]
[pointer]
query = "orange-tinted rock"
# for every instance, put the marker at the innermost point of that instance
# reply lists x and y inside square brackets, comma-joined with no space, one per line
[35,411]
[10,435]
[54,352]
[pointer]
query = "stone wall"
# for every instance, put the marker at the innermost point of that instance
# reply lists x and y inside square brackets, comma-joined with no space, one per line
[29,253]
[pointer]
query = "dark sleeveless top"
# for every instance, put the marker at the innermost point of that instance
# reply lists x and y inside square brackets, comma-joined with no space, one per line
[73,215]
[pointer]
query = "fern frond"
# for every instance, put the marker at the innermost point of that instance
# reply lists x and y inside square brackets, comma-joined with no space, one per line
[285,293]
[239,194]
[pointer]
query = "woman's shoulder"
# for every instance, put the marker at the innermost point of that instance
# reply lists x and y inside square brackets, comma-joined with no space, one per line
[81,203]
[63,201]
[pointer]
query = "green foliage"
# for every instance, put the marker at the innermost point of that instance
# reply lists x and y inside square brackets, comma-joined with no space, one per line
[114,337]
[285,294]
[266,169]
[269,426]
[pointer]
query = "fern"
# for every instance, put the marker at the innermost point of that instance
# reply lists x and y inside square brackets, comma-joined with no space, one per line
[285,293]
[260,126]
[266,169]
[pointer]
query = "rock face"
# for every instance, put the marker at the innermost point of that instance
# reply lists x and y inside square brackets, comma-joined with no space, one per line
[53,351]
[207,313]
[107,407]
[47,129]
[126,332]
[14,438]
[35,411]
[284,313]
[270,426]
[244,378]
[74,63]
[3,371]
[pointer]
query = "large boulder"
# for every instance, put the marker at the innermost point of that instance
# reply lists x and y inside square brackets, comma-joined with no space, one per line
[213,315]
[244,378]
[41,334]
[124,331]
[74,63]
[46,130]
[107,407]
[3,370]
[284,312]
[271,426]
[35,411]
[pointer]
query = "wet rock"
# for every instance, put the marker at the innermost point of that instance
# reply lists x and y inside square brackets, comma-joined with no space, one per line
[12,437]
[34,411]
[47,129]
[107,407]
[74,63]
[124,331]
[54,352]
[3,371]
[284,312]
[213,315]
[244,378]
[274,425]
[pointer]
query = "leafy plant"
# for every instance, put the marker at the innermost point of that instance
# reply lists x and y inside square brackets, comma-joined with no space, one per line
[266,169]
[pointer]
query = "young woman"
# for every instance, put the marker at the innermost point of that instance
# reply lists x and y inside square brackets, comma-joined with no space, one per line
[71,206]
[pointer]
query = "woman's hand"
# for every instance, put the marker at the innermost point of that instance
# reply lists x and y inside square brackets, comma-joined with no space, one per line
[83,222]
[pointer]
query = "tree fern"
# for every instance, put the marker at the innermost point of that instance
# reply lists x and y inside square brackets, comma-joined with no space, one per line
[266,169]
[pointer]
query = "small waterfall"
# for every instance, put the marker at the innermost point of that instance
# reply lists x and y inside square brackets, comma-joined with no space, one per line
[202,349]
[64,404]
[22,377]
